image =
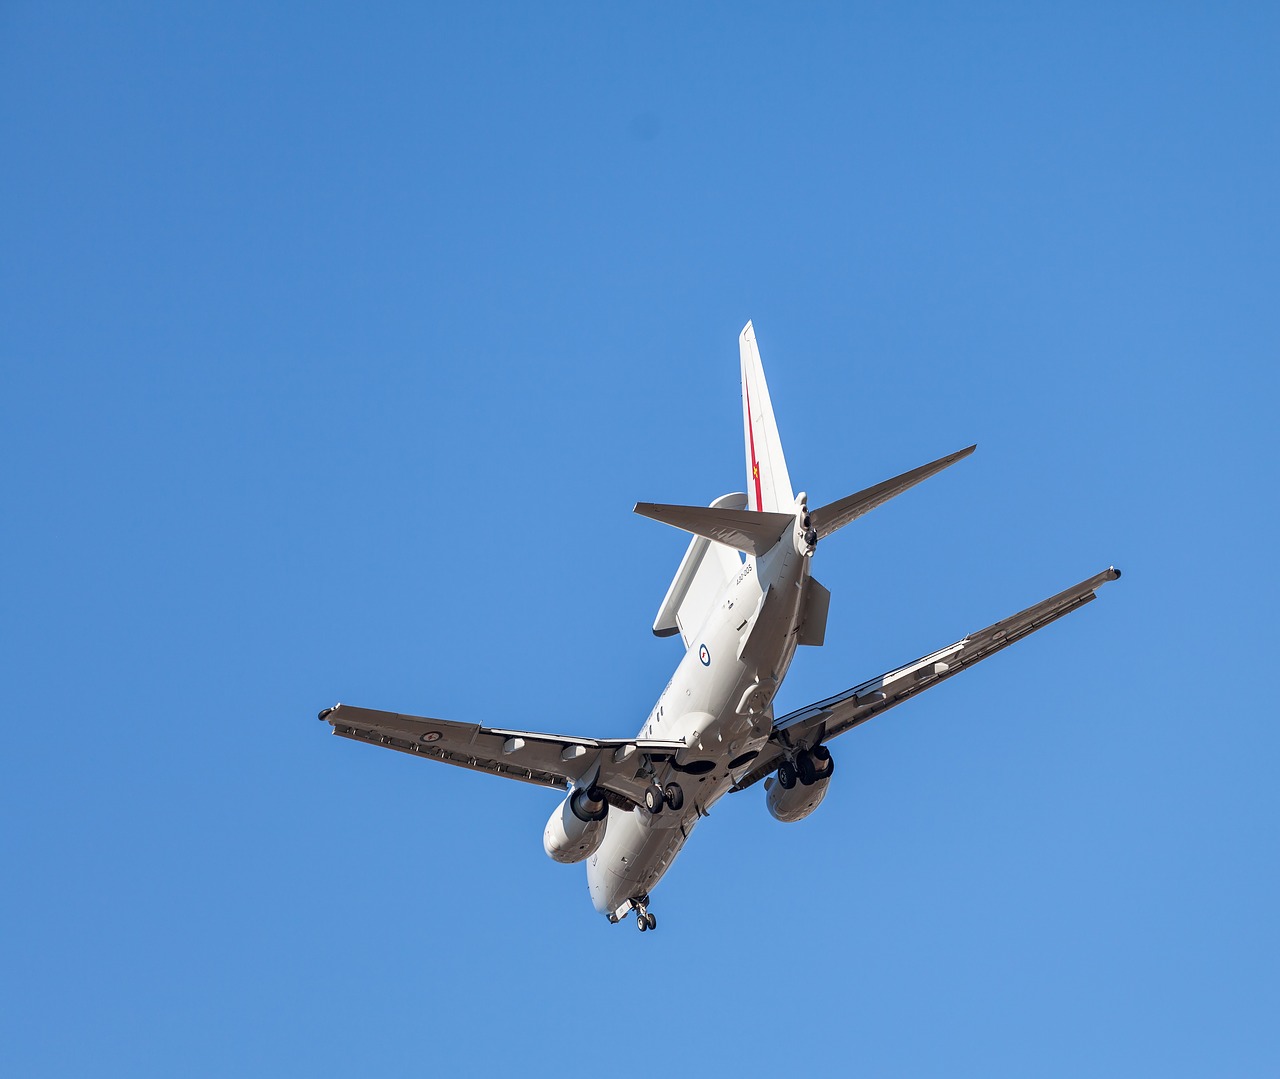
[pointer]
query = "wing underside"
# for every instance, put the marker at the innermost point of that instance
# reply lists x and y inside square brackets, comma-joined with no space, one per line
[548,760]
[824,720]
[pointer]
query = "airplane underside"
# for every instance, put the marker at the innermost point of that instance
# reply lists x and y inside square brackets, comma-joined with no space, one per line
[743,600]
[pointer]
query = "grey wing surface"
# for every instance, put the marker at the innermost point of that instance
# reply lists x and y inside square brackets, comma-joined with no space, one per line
[824,720]
[548,760]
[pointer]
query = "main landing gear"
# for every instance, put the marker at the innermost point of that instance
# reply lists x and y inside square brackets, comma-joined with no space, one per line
[644,920]
[809,767]
[670,796]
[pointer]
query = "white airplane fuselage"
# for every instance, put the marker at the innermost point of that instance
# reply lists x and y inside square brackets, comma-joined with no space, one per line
[720,703]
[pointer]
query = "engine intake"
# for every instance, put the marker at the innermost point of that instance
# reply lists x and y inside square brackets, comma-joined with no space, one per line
[576,827]
[790,804]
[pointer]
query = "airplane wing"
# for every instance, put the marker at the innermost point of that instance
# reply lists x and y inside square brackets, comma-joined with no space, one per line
[549,760]
[821,722]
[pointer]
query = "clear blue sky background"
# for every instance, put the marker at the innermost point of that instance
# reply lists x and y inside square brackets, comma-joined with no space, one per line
[337,344]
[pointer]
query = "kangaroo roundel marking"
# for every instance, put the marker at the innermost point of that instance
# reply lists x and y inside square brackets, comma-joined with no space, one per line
[704,655]
[430,736]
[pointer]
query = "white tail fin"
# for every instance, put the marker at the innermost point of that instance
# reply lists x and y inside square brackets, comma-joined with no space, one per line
[768,485]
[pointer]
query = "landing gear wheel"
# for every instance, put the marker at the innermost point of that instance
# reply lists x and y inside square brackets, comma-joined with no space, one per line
[805,768]
[787,775]
[674,798]
[651,921]
[654,800]
[642,921]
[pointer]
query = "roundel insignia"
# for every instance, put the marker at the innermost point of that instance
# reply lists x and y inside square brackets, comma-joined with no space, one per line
[704,655]
[430,736]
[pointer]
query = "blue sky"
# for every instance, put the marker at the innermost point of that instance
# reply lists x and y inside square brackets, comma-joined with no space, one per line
[337,345]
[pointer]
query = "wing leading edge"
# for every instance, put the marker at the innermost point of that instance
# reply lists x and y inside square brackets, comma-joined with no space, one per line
[548,760]
[824,720]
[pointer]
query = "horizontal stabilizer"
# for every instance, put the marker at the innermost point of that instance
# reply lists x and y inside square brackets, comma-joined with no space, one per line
[836,515]
[744,530]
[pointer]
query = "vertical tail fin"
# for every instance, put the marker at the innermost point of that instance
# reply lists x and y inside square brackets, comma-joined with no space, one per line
[768,485]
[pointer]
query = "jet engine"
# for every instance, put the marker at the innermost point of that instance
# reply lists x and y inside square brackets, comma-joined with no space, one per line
[798,787]
[575,829]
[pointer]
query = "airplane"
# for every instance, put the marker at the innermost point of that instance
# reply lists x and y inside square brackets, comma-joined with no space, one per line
[742,601]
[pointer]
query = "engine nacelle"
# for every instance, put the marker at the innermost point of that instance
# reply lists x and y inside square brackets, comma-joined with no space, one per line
[790,804]
[576,828]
